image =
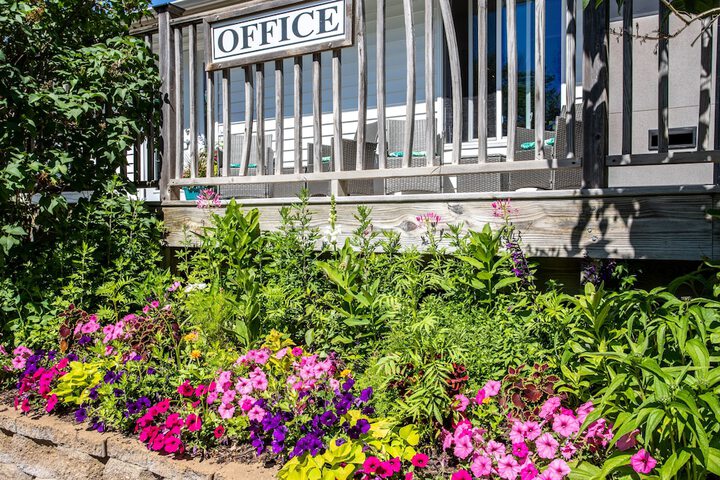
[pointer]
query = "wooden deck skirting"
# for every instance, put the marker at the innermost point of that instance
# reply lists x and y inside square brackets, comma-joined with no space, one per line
[662,223]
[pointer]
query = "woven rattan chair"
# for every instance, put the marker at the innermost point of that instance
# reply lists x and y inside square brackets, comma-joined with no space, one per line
[482,182]
[395,143]
[567,178]
[259,190]
[352,187]
[541,179]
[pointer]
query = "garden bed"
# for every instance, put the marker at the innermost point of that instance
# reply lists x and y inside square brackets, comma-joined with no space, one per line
[50,447]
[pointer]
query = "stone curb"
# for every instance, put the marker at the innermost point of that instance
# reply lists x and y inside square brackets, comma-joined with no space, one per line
[47,447]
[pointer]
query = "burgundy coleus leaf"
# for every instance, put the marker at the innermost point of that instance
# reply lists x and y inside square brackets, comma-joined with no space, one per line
[517,400]
[532,393]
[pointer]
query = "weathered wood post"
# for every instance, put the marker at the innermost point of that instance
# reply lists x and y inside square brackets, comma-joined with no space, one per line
[166,11]
[595,93]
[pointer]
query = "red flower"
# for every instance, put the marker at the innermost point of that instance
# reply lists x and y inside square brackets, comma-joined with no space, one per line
[163,406]
[384,470]
[193,422]
[219,431]
[186,390]
[420,460]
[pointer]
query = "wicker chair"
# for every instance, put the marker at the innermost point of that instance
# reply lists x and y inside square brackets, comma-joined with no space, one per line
[541,179]
[352,187]
[258,190]
[482,182]
[566,178]
[395,142]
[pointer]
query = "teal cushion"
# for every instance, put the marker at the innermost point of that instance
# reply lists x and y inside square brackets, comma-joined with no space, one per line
[402,154]
[527,146]
[550,142]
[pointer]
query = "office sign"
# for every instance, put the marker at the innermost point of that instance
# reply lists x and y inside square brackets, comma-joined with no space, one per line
[261,31]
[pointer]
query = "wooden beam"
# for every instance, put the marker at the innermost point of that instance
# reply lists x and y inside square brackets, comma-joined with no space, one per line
[668,158]
[630,225]
[447,169]
[716,135]
[706,80]
[595,94]
[178,104]
[210,123]
[337,110]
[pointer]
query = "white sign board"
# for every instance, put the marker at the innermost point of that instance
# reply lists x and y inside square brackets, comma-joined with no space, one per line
[251,35]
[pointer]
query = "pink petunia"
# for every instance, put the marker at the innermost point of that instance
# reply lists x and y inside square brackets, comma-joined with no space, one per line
[568,450]
[297,351]
[532,430]
[244,386]
[495,449]
[558,469]
[492,388]
[193,423]
[256,413]
[481,396]
[481,466]
[280,354]
[508,467]
[642,462]
[18,363]
[463,447]
[565,425]
[226,411]
[172,444]
[546,446]
[583,411]
[549,407]
[518,432]
[461,403]
[228,396]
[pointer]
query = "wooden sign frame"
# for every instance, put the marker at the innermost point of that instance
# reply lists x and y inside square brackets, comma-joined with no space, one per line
[262,6]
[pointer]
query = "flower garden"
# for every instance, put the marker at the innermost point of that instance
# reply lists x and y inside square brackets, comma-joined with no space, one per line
[446,361]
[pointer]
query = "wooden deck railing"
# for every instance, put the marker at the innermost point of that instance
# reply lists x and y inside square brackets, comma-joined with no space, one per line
[173,25]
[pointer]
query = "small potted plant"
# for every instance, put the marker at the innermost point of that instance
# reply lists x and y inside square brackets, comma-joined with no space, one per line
[193,191]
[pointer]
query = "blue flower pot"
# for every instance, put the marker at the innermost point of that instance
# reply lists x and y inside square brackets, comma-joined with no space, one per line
[192,193]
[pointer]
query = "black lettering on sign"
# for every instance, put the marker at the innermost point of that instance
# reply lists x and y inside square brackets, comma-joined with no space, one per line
[234,41]
[325,20]
[296,25]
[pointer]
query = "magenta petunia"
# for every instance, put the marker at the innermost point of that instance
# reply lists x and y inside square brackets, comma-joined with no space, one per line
[642,462]
[371,464]
[419,460]
[461,475]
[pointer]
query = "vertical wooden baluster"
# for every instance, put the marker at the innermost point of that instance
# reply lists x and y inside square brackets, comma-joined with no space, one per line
[192,47]
[249,102]
[512,78]
[317,113]
[167,55]
[410,83]
[297,113]
[482,81]
[716,135]
[455,78]
[539,79]
[705,86]
[279,115]
[430,143]
[179,134]
[227,134]
[663,78]
[382,127]
[260,108]
[362,84]
[337,109]
[570,41]
[627,77]
[336,186]
[149,164]
[210,123]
